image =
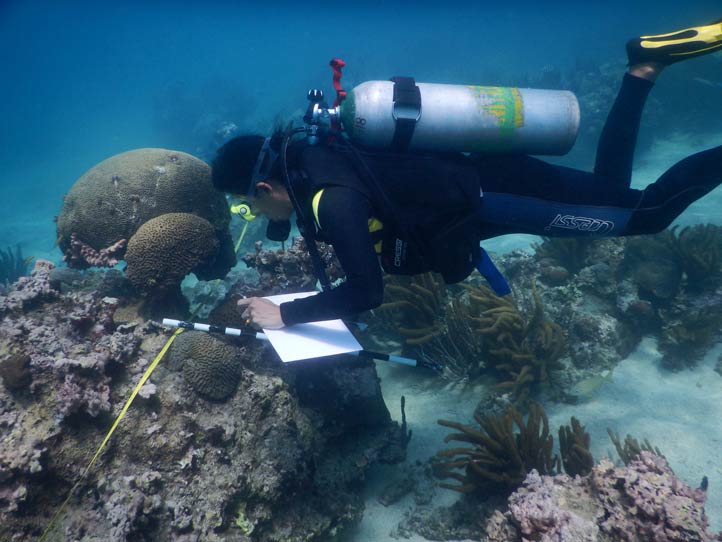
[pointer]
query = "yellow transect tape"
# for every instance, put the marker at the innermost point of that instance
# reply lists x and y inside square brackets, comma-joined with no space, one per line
[243,233]
[125,408]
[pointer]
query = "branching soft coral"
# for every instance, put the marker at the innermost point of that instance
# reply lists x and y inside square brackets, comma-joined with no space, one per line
[522,350]
[501,456]
[415,307]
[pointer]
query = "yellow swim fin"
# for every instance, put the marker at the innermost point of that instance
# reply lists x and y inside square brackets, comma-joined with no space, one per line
[669,48]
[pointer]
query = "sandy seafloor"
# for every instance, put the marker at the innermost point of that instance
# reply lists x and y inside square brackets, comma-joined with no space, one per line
[679,412]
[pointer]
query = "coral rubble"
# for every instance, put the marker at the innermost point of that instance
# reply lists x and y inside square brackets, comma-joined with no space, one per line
[290,269]
[280,459]
[641,501]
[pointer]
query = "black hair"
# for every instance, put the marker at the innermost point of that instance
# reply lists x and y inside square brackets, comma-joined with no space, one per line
[233,164]
[232,167]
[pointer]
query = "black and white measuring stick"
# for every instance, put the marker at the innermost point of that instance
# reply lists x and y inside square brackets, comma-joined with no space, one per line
[236,332]
[208,328]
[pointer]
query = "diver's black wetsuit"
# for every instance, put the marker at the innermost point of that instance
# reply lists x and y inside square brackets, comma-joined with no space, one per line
[521,194]
[526,195]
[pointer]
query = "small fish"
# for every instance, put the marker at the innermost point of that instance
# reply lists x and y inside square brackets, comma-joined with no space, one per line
[58,241]
[360,325]
[585,388]
[707,82]
[27,260]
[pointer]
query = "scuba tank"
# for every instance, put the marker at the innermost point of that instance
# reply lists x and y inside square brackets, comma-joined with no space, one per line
[400,115]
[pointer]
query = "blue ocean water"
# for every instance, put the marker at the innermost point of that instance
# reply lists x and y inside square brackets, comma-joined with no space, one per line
[83,81]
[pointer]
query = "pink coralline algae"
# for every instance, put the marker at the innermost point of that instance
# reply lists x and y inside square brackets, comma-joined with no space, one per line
[290,269]
[647,501]
[81,255]
[641,501]
[29,291]
[77,396]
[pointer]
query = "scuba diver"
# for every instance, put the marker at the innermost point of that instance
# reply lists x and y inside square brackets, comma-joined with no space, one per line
[413,212]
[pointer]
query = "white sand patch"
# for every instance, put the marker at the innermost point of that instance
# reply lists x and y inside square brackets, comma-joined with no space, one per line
[427,400]
[680,413]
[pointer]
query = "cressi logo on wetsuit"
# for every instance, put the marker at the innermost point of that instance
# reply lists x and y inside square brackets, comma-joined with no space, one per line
[581,223]
[398,253]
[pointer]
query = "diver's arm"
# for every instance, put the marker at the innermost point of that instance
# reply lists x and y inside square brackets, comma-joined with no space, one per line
[343,216]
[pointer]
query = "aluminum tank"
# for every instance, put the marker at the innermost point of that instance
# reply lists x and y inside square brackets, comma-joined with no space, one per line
[467,118]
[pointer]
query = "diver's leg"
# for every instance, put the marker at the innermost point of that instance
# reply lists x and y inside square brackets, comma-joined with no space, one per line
[615,150]
[572,203]
[503,214]
[647,55]
[527,195]
[684,183]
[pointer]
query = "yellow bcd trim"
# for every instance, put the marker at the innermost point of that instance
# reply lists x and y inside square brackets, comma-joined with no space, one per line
[314,205]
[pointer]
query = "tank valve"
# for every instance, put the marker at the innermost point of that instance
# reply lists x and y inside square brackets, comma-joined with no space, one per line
[317,112]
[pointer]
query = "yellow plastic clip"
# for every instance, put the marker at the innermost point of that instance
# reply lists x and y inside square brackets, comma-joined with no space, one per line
[243,210]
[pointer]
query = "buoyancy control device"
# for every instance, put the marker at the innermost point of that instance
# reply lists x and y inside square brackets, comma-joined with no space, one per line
[401,115]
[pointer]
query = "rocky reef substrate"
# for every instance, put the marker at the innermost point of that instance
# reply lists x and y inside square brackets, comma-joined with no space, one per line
[281,458]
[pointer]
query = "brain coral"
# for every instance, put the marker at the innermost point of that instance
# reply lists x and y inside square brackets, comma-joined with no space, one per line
[210,366]
[115,197]
[168,247]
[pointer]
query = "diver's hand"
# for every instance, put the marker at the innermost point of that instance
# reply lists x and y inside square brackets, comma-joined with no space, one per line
[261,313]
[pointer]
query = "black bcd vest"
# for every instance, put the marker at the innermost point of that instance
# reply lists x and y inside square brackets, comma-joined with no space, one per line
[429,206]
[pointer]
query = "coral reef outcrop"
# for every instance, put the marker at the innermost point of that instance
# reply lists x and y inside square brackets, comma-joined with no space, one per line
[641,501]
[210,366]
[115,197]
[291,269]
[168,247]
[279,460]
[29,292]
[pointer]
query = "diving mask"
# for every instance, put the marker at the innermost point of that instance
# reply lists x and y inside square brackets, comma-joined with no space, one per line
[264,163]
[277,230]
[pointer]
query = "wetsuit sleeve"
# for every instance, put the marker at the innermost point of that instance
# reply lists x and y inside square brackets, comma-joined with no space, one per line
[343,215]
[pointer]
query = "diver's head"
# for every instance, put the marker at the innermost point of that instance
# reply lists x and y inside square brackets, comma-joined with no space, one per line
[235,162]
[249,166]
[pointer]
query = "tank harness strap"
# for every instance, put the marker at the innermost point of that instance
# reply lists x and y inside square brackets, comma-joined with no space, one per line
[305,225]
[308,232]
[406,111]
[493,276]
